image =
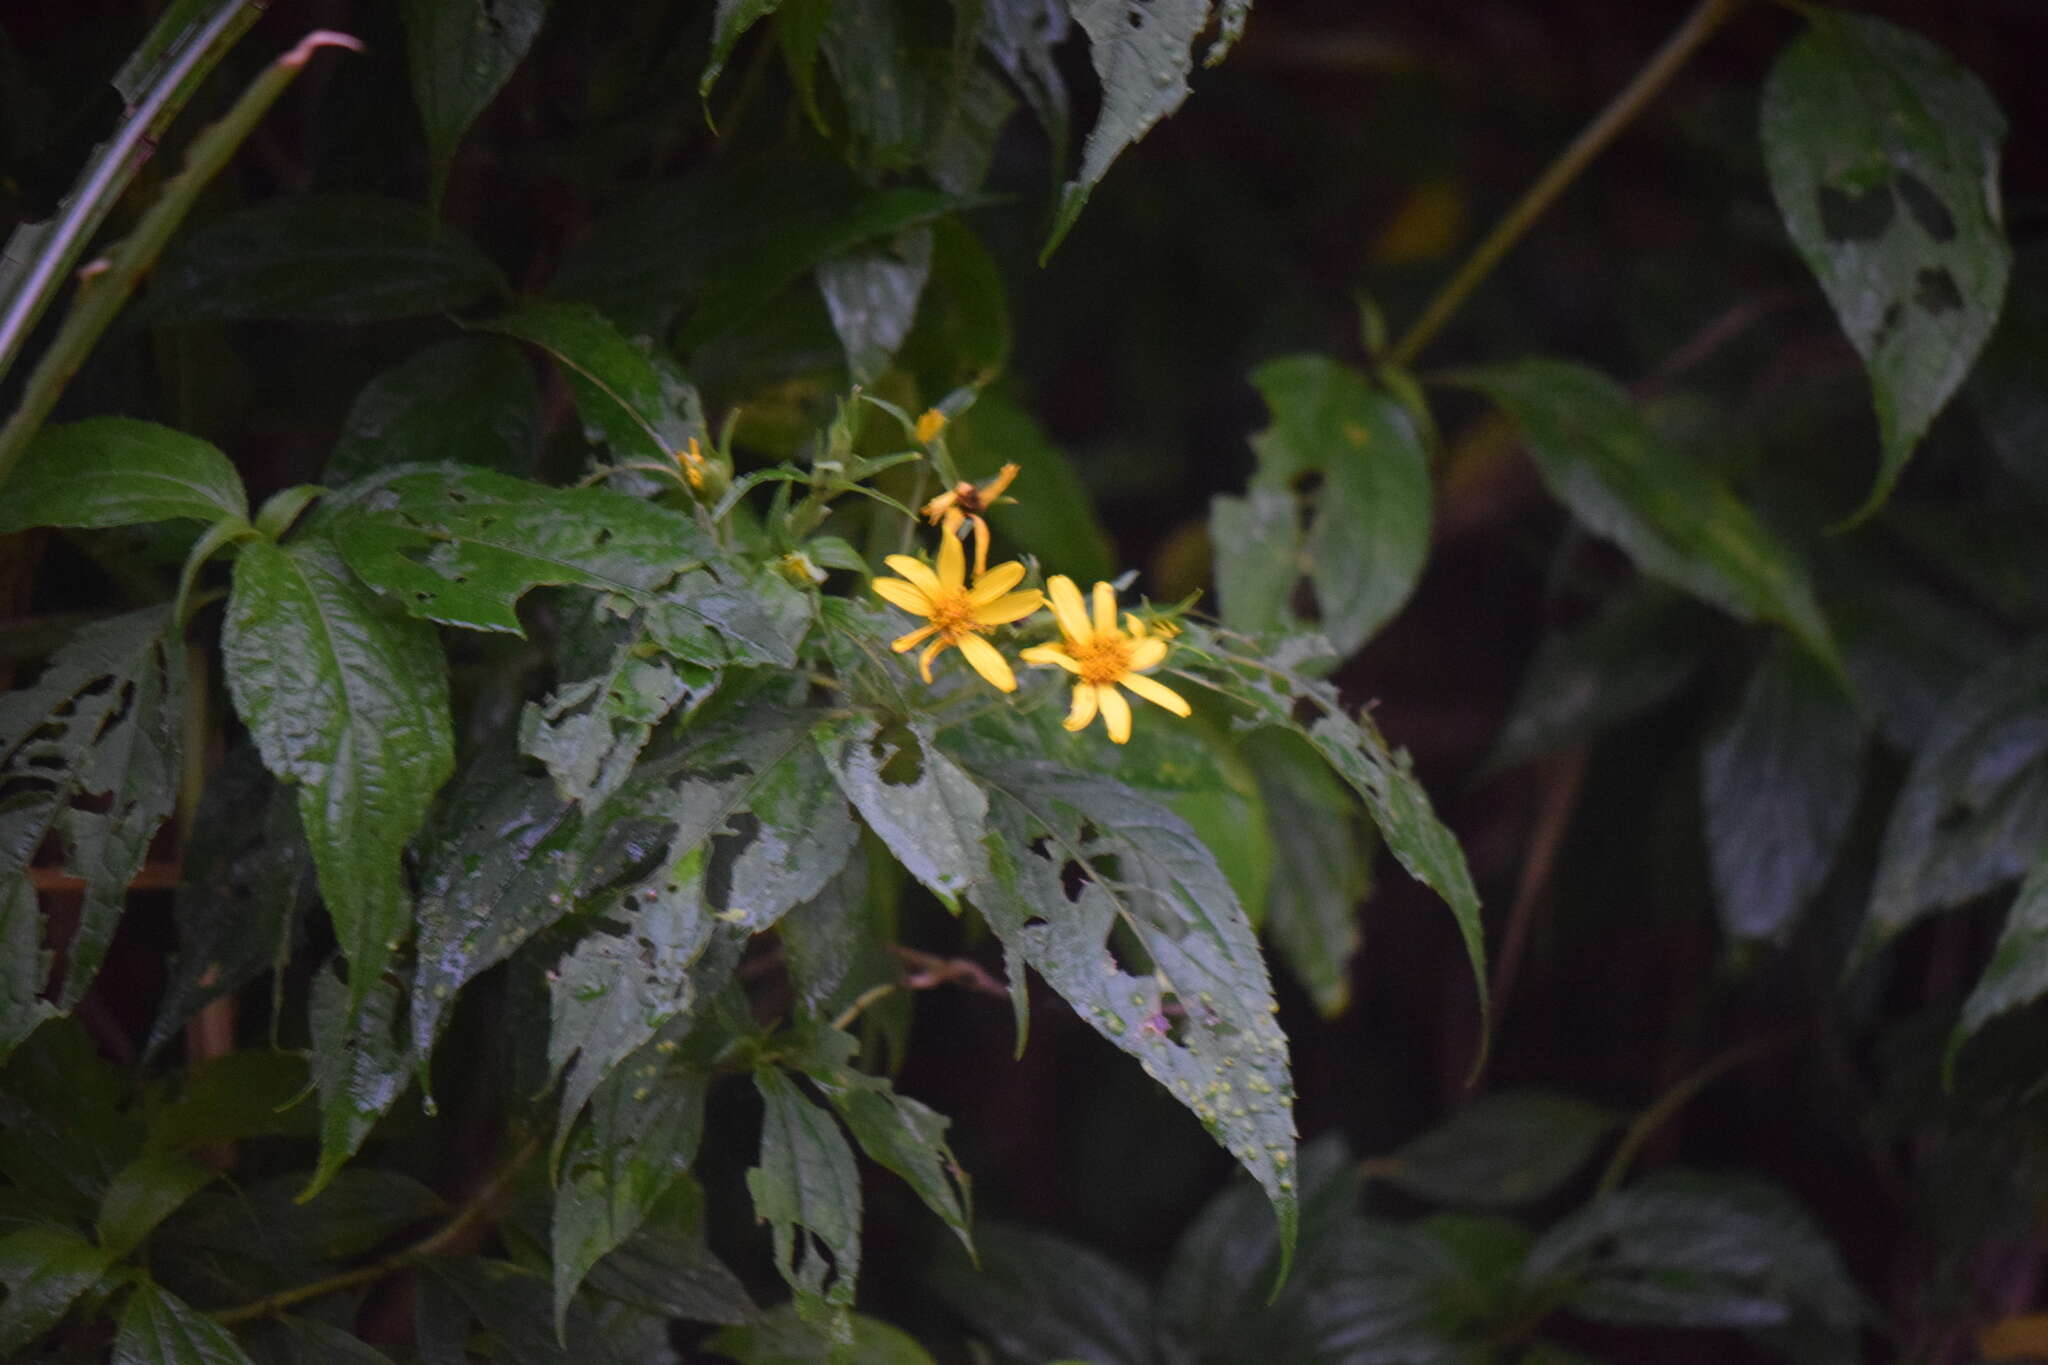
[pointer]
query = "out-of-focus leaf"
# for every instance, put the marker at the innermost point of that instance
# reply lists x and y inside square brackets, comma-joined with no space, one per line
[1036,1297]
[807,1189]
[320,258]
[1637,650]
[159,1328]
[1023,36]
[66,1133]
[893,84]
[349,699]
[1501,1151]
[461,53]
[90,753]
[2018,971]
[633,398]
[931,814]
[307,1341]
[1053,516]
[1905,648]
[1883,156]
[1323,851]
[467,401]
[784,1338]
[1974,810]
[1081,859]
[461,545]
[115,471]
[833,943]
[964,143]
[510,1303]
[1257,540]
[1433,1291]
[359,1062]
[1673,516]
[147,1191]
[962,332]
[665,1267]
[1778,783]
[728,26]
[234,1096]
[44,1268]
[872,295]
[2002,388]
[267,1220]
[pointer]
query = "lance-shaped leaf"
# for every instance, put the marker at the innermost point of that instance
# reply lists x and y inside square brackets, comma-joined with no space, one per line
[1078,862]
[1038,1297]
[2018,971]
[1505,1150]
[1883,157]
[1325,852]
[115,471]
[590,732]
[931,814]
[509,1303]
[349,699]
[833,942]
[45,1268]
[359,1063]
[148,1190]
[461,545]
[1673,516]
[807,1189]
[159,1328]
[728,26]
[461,53]
[470,401]
[666,1268]
[89,753]
[633,398]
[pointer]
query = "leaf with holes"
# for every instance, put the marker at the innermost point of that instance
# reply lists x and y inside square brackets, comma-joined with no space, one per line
[89,754]
[807,1189]
[461,545]
[461,53]
[733,614]
[115,471]
[348,699]
[1883,157]
[633,398]
[359,1064]
[1080,864]
[469,401]
[932,815]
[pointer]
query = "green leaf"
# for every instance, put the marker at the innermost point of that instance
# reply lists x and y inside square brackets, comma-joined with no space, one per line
[1883,157]
[808,1191]
[665,1268]
[461,545]
[1778,783]
[67,1132]
[1504,1150]
[832,943]
[728,26]
[1436,1290]
[632,397]
[461,53]
[1324,852]
[1974,809]
[147,1191]
[90,753]
[235,1096]
[307,1341]
[1142,51]
[268,1222]
[319,258]
[159,1328]
[962,332]
[468,401]
[359,1063]
[590,732]
[1906,649]
[1078,861]
[2018,971]
[784,1338]
[114,471]
[872,296]
[1037,1297]
[2002,391]
[349,699]
[1363,547]
[1024,37]
[1053,516]
[510,1303]
[45,1269]
[930,813]
[1673,516]
[1631,655]
[755,616]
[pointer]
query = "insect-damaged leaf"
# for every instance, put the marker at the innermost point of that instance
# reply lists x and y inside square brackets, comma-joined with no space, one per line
[89,753]
[461,545]
[808,1191]
[1883,156]
[930,813]
[349,699]
[115,471]
[1124,912]
[359,1063]
[633,398]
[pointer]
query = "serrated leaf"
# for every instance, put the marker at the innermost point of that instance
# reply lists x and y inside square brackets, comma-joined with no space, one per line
[1883,157]
[1778,783]
[147,1191]
[462,545]
[115,471]
[2017,973]
[832,942]
[45,1269]
[807,1189]
[1974,809]
[159,1328]
[461,53]
[784,1338]
[589,732]
[1502,1151]
[468,401]
[632,397]
[1672,515]
[666,1268]
[1036,1297]
[89,753]
[1326,853]
[931,814]
[1078,860]
[734,614]
[360,1065]
[319,258]
[349,699]
[872,296]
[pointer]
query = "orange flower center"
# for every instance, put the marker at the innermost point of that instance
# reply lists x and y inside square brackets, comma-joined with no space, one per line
[1102,660]
[953,614]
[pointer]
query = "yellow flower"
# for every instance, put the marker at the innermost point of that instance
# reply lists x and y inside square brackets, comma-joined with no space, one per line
[965,501]
[1102,658]
[957,613]
[930,425]
[690,460]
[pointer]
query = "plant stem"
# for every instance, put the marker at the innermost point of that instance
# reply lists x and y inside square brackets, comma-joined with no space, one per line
[1706,17]
[426,1249]
[1677,1097]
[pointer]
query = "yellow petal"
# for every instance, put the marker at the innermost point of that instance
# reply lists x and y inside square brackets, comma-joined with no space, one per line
[1158,693]
[903,642]
[952,562]
[982,657]
[917,571]
[1147,653]
[930,424]
[1116,712]
[980,547]
[1133,627]
[1105,609]
[1004,610]
[908,596]
[1050,654]
[1069,608]
[997,581]
[993,489]
[1083,709]
[924,660]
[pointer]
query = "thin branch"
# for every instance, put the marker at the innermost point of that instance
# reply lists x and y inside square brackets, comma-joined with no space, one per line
[1667,1105]
[929,970]
[1564,776]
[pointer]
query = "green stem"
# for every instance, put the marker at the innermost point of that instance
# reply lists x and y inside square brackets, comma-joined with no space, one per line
[1706,17]
[100,297]
[1676,1098]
